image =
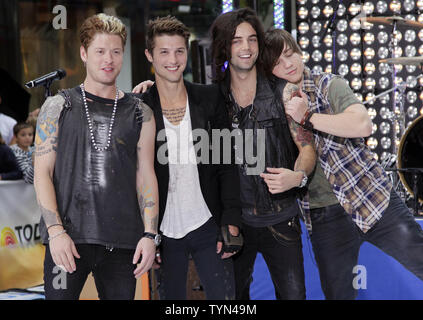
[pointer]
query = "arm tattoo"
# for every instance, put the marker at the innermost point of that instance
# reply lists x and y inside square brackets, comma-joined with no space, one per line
[50,217]
[147,113]
[146,202]
[300,134]
[46,131]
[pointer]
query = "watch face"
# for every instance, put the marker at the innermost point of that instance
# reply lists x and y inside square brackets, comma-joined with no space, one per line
[157,239]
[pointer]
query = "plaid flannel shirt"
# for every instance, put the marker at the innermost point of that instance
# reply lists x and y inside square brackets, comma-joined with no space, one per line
[360,184]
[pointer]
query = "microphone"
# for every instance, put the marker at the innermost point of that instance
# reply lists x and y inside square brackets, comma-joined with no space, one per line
[47,78]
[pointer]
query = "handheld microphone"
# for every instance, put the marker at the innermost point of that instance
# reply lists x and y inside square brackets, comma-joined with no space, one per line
[55,75]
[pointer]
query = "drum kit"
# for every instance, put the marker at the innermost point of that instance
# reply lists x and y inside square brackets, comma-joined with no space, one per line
[408,156]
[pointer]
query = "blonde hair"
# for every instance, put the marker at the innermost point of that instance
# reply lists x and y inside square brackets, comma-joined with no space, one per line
[101,23]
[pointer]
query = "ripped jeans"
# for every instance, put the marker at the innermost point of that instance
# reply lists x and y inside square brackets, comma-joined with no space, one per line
[216,275]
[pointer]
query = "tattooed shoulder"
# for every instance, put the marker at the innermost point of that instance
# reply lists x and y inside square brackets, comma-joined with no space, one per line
[48,118]
[147,113]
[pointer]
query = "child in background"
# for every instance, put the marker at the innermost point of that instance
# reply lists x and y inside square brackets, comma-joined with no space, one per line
[9,169]
[23,149]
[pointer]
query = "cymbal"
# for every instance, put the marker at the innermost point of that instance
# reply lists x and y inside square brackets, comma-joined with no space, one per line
[390,21]
[416,61]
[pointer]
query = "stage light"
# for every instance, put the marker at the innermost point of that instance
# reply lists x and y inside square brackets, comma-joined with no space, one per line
[328,40]
[356,83]
[369,53]
[318,69]
[354,9]
[315,12]
[343,69]
[411,81]
[316,55]
[408,5]
[342,39]
[355,24]
[412,112]
[302,13]
[383,68]
[342,25]
[369,38]
[369,97]
[303,27]
[305,56]
[279,14]
[384,127]
[316,27]
[385,142]
[384,83]
[328,55]
[304,42]
[395,6]
[368,8]
[381,6]
[382,37]
[370,83]
[410,51]
[227,6]
[328,11]
[410,35]
[356,69]
[374,128]
[385,113]
[355,39]
[372,143]
[370,68]
[383,52]
[411,97]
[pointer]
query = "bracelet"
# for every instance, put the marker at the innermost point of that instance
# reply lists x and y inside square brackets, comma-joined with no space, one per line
[304,119]
[56,235]
[56,224]
[307,123]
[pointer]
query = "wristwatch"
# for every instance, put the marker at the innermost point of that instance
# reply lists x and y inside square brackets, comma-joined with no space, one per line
[304,180]
[157,238]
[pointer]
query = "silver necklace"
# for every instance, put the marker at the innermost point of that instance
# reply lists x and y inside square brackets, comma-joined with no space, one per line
[90,124]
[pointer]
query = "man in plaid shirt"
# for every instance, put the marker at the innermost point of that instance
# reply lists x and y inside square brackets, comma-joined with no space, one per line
[350,198]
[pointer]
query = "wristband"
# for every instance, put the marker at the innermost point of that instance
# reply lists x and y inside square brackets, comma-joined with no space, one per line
[56,235]
[56,224]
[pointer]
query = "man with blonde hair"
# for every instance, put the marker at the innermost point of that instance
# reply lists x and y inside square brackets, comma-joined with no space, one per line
[94,175]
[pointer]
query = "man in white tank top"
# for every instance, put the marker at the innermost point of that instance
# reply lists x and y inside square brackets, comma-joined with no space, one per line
[192,205]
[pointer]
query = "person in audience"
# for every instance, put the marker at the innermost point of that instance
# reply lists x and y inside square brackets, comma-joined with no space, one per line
[9,169]
[23,149]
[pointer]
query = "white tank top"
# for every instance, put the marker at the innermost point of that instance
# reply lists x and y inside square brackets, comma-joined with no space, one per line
[186,209]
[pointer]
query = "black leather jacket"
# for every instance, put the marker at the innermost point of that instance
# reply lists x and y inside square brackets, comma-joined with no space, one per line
[279,151]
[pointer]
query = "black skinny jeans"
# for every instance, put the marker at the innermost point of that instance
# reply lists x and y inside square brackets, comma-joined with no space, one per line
[336,241]
[113,273]
[281,248]
[216,274]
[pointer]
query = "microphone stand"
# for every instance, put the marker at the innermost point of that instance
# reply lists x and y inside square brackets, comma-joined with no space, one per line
[47,92]
[329,23]
[415,172]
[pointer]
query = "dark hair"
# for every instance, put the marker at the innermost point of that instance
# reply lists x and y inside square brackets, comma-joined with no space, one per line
[2,140]
[275,41]
[165,25]
[20,126]
[223,31]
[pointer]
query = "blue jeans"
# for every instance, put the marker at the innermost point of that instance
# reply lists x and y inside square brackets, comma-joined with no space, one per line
[281,248]
[112,272]
[216,275]
[336,241]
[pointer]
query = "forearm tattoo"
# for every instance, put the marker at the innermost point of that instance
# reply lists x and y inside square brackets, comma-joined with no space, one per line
[146,203]
[300,134]
[50,217]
